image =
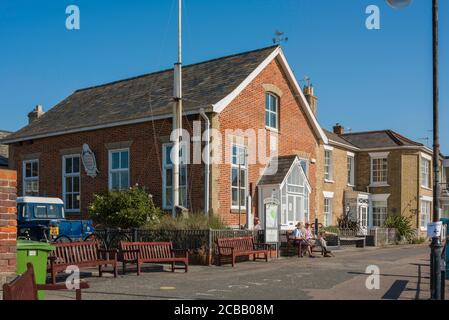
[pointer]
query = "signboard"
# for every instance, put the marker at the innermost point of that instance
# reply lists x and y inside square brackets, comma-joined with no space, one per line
[89,161]
[434,229]
[271,206]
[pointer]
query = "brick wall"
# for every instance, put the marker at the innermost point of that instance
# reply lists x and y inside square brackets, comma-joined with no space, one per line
[145,141]
[296,135]
[8,223]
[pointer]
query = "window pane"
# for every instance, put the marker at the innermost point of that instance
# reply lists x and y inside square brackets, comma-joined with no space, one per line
[115,181]
[273,122]
[28,169]
[183,175]
[76,201]
[168,155]
[169,177]
[243,178]
[68,165]
[76,184]
[124,160]
[68,202]
[242,197]
[234,177]
[76,165]
[234,197]
[115,160]
[267,118]
[68,184]
[124,181]
[35,172]
[183,196]
[168,197]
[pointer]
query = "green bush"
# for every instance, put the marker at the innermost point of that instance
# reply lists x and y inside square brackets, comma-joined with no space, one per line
[194,221]
[331,229]
[419,240]
[131,208]
[403,225]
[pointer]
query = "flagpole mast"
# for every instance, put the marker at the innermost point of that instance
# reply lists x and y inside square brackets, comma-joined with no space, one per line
[177,115]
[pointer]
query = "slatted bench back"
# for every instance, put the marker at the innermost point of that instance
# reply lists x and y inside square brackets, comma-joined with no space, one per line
[148,251]
[75,252]
[241,244]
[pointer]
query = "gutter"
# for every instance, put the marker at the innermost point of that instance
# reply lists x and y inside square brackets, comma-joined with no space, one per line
[207,163]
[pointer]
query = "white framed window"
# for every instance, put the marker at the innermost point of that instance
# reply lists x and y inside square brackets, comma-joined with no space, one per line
[271,111]
[239,177]
[379,213]
[328,165]
[167,176]
[425,172]
[30,172]
[71,182]
[119,169]
[305,165]
[379,170]
[351,170]
[295,197]
[426,211]
[327,212]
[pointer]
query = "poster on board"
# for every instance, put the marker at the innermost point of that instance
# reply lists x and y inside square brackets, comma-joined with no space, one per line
[271,208]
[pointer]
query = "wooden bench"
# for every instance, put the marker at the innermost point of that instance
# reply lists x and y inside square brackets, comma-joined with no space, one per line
[242,246]
[360,242]
[80,254]
[152,252]
[24,287]
[292,244]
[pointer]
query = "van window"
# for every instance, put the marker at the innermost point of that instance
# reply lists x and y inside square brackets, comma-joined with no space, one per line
[48,211]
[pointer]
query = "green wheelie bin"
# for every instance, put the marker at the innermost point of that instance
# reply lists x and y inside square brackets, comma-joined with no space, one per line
[36,253]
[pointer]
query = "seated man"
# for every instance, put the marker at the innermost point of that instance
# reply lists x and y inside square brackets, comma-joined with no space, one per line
[299,237]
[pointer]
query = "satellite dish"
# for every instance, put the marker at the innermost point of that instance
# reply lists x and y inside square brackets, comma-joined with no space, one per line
[399,4]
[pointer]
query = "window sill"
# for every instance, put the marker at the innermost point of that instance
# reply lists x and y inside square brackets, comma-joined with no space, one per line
[272,129]
[378,185]
[72,211]
[236,210]
[329,181]
[426,188]
[351,185]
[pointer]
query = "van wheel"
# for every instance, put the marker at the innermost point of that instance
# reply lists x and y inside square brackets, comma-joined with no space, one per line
[62,239]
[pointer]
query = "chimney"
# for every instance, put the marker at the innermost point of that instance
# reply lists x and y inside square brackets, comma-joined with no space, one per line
[35,114]
[339,129]
[310,97]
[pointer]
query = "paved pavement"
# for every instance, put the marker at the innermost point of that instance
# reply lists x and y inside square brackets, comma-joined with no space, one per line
[404,275]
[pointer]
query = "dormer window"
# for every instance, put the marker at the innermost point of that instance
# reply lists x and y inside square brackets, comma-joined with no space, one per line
[271,111]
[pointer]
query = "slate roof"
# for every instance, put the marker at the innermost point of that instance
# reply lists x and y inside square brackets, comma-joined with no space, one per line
[204,84]
[379,139]
[284,164]
[335,137]
[4,150]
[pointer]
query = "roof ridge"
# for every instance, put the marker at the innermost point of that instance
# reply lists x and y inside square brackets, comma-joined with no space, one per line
[400,136]
[171,69]
[364,132]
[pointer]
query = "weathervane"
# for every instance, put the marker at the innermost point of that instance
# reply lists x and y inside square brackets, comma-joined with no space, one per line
[279,37]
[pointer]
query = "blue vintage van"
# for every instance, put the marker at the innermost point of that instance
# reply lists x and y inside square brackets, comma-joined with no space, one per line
[43,219]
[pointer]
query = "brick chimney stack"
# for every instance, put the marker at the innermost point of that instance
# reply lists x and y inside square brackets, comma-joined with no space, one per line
[35,114]
[339,129]
[310,97]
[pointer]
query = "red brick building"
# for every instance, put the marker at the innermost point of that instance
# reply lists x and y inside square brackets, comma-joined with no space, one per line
[126,126]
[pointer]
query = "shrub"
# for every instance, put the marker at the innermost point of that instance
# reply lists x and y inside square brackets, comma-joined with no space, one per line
[403,225]
[331,229]
[194,221]
[131,208]
[344,222]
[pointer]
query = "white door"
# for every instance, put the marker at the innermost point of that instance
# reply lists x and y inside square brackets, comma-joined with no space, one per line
[363,219]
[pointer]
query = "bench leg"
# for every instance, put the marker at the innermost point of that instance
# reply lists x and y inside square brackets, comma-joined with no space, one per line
[124,268]
[266,256]
[100,271]
[254,256]
[115,270]
[78,294]
[172,267]
[219,260]
[53,277]
[186,266]
[139,265]
[233,261]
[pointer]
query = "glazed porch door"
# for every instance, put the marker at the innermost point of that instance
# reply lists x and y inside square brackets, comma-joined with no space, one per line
[363,219]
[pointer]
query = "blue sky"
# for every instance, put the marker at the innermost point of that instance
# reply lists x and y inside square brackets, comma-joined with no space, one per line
[364,79]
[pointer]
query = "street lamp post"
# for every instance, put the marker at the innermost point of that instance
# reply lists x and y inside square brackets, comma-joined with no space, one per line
[436,246]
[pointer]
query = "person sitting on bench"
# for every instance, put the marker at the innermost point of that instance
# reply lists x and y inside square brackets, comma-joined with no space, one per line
[317,241]
[299,237]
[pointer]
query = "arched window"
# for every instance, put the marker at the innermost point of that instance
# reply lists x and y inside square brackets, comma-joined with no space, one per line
[271,111]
